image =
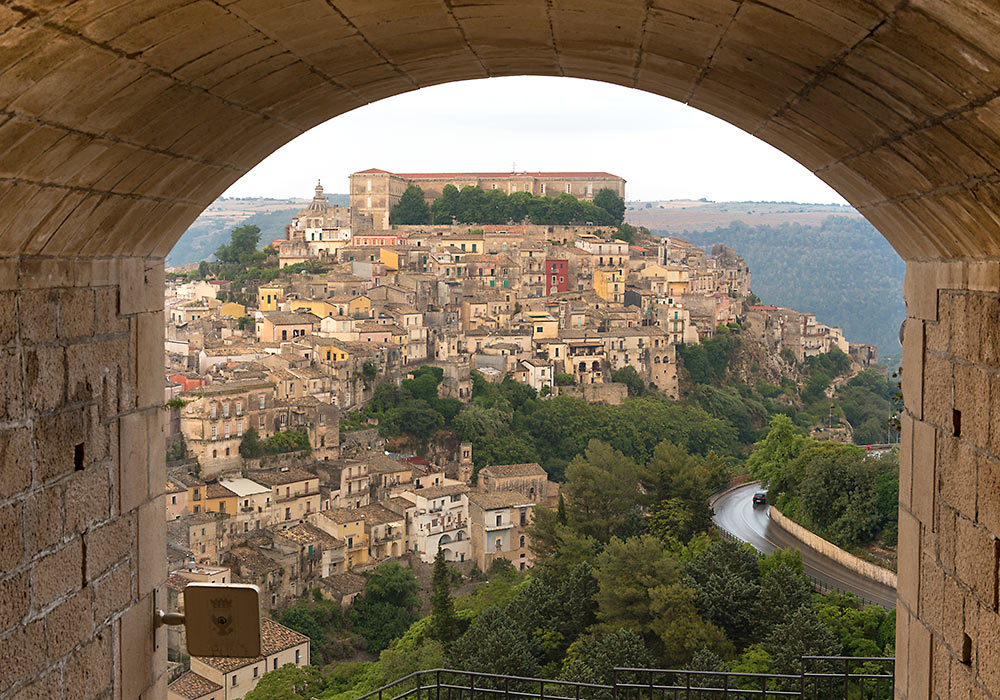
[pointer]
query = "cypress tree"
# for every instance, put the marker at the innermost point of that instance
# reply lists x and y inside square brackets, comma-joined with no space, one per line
[444,624]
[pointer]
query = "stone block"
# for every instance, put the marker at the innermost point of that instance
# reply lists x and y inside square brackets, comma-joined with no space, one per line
[946,537]
[988,651]
[141,282]
[76,313]
[938,334]
[15,461]
[88,494]
[39,311]
[57,574]
[43,519]
[924,483]
[938,391]
[8,317]
[70,623]
[56,438]
[107,317]
[953,614]
[913,372]
[958,474]
[988,510]
[902,648]
[989,333]
[97,446]
[108,545]
[11,536]
[976,560]
[152,536]
[45,378]
[905,458]
[45,688]
[908,551]
[149,359]
[137,670]
[931,591]
[45,273]
[23,653]
[940,677]
[966,322]
[14,600]
[920,662]
[12,388]
[972,398]
[983,276]
[962,680]
[133,469]
[920,290]
[157,458]
[89,669]
[92,367]
[112,593]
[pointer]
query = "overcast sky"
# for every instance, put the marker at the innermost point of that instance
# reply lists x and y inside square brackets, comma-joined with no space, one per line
[665,150]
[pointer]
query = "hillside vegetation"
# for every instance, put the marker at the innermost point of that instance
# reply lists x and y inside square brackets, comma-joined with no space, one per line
[843,271]
[212,228]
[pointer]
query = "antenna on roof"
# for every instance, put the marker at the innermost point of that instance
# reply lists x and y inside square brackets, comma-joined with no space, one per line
[513,167]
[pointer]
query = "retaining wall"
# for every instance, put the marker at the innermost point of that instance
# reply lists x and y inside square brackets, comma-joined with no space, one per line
[832,551]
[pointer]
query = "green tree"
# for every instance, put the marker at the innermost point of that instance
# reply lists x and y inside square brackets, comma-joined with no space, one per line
[775,451]
[444,624]
[610,202]
[289,683]
[602,488]
[630,378]
[802,634]
[242,247]
[445,207]
[725,577]
[592,658]
[250,445]
[411,209]
[494,644]
[386,609]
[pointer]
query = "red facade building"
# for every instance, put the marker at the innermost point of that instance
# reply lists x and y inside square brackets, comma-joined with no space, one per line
[556,276]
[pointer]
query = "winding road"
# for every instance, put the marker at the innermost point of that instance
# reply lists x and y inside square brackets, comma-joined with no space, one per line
[736,514]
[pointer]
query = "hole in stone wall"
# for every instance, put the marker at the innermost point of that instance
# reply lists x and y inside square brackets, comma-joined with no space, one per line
[956,423]
[78,457]
[966,649]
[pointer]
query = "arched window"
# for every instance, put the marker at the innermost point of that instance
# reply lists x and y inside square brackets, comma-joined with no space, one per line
[522,541]
[498,545]
[215,453]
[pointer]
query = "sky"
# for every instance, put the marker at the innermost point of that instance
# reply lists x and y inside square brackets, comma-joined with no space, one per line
[663,149]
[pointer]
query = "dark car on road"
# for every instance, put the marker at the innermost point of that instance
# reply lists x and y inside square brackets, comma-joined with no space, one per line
[759,497]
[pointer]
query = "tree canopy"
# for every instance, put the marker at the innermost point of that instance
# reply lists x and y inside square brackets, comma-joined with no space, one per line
[412,208]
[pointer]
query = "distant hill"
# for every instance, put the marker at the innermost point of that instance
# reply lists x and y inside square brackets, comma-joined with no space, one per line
[679,215]
[842,270]
[212,228]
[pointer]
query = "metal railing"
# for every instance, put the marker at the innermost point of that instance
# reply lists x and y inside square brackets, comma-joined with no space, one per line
[822,678]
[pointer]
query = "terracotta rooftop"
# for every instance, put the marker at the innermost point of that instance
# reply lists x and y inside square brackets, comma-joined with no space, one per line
[193,686]
[273,638]
[508,470]
[277,478]
[499,499]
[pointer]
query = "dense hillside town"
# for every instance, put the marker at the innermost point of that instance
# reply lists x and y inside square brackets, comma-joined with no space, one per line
[272,479]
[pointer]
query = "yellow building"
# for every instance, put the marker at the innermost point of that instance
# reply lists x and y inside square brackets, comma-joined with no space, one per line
[348,525]
[355,306]
[678,278]
[317,307]
[389,258]
[233,310]
[610,285]
[219,499]
[268,297]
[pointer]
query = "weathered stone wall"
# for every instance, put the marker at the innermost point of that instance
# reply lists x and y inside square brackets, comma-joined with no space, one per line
[82,543]
[948,628]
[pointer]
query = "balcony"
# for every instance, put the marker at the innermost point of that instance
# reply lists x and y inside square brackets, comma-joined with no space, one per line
[295,496]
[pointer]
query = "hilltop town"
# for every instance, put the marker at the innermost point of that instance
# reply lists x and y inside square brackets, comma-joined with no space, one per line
[272,480]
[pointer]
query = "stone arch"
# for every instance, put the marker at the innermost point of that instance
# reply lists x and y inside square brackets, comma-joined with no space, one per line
[122,121]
